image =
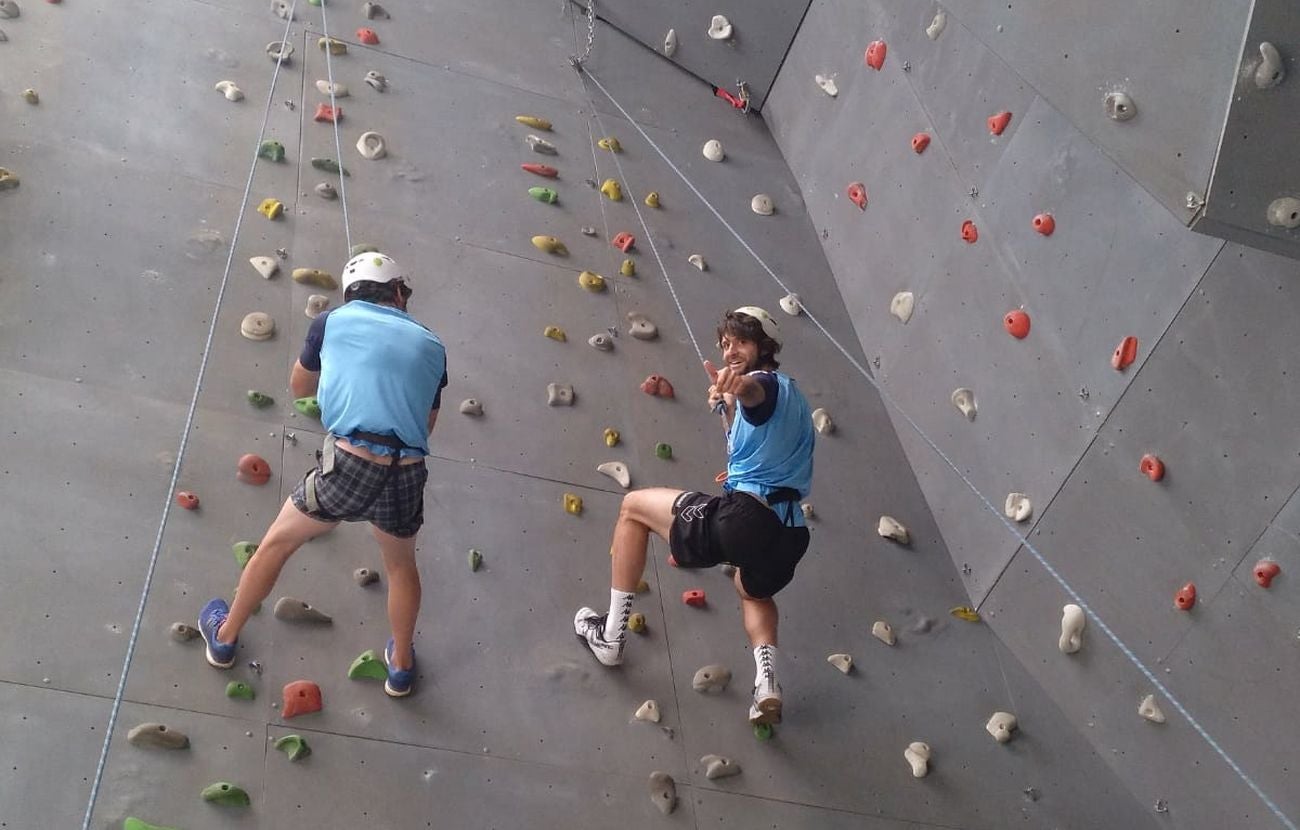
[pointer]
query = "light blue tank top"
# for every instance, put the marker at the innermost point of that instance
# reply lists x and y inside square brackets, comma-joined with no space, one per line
[778,453]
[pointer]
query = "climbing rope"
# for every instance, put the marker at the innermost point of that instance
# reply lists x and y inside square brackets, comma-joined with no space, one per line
[1060,580]
[184,442]
[338,147]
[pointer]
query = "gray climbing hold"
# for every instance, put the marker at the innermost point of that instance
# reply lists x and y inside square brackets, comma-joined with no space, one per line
[601,342]
[902,304]
[716,766]
[1149,709]
[790,304]
[1001,725]
[648,711]
[257,325]
[541,145]
[336,89]
[588,230]
[937,25]
[365,576]
[822,422]
[762,204]
[1073,622]
[471,406]
[663,791]
[265,265]
[616,470]
[376,80]
[326,191]
[964,400]
[827,84]
[279,50]
[713,151]
[1119,106]
[371,145]
[698,262]
[316,305]
[8,9]
[373,10]
[711,678]
[294,746]
[559,394]
[1017,507]
[891,528]
[228,89]
[30,96]
[640,327]
[475,558]
[157,736]
[1284,212]
[883,632]
[670,43]
[281,9]
[295,610]
[843,662]
[183,633]
[1271,70]
[720,27]
[918,757]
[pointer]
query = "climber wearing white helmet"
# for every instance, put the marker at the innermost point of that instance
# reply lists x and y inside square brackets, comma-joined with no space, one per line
[755,525]
[378,375]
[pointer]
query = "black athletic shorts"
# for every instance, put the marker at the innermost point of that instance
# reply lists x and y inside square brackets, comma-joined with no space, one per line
[342,494]
[738,529]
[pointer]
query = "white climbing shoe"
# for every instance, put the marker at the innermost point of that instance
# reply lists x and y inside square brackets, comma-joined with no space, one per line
[590,628]
[766,707]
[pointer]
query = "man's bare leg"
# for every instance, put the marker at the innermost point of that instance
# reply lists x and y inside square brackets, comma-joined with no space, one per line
[761,618]
[403,593]
[642,512]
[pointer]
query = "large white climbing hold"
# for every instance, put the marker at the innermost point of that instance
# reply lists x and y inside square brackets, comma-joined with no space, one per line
[1018,507]
[762,204]
[336,89]
[616,470]
[670,43]
[257,325]
[902,304]
[843,662]
[713,150]
[822,421]
[698,262]
[827,85]
[711,678]
[964,400]
[1150,710]
[1284,212]
[716,766]
[937,25]
[918,757]
[790,304]
[891,528]
[265,265]
[720,28]
[371,145]
[648,711]
[1001,725]
[1072,623]
[1270,71]
[228,89]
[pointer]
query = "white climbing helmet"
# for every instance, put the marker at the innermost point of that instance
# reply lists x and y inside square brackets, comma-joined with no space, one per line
[372,266]
[770,328]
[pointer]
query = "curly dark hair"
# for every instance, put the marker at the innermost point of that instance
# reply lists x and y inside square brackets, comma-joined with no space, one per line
[376,292]
[744,327]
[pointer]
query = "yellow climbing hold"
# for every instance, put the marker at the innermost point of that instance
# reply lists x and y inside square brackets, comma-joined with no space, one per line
[336,46]
[573,504]
[316,277]
[8,180]
[271,208]
[965,612]
[611,437]
[591,281]
[643,587]
[555,333]
[550,245]
[636,623]
[533,121]
[612,190]
[628,268]
[610,144]
[652,199]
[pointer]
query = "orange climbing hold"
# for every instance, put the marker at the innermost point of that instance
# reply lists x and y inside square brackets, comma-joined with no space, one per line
[1186,597]
[624,241]
[1044,224]
[187,500]
[1152,467]
[919,142]
[368,36]
[1265,571]
[969,232]
[541,170]
[253,469]
[999,122]
[328,114]
[658,386]
[1016,323]
[1125,353]
[301,697]
[876,54]
[858,195]
[694,598]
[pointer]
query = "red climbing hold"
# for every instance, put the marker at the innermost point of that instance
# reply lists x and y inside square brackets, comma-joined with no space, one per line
[969,232]
[187,500]
[694,598]
[1152,467]
[999,122]
[541,170]
[858,195]
[876,54]
[332,115]
[368,36]
[624,241]
[1017,324]
[253,469]
[1265,570]
[1186,597]
[919,142]
[1125,353]
[1044,224]
[658,386]
[301,697]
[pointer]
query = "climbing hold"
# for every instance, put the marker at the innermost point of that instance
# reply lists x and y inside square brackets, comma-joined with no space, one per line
[257,325]
[1284,212]
[711,678]
[998,123]
[239,689]
[475,559]
[309,406]
[1152,467]
[555,333]
[559,394]
[636,623]
[720,28]
[226,88]
[763,731]
[611,189]
[261,400]
[131,823]
[642,587]
[716,766]
[890,528]
[1016,323]
[964,400]
[540,169]
[367,667]
[295,746]
[376,80]
[790,304]
[280,50]
[611,144]
[807,509]
[271,208]
[670,43]
[1119,106]
[624,241]
[316,305]
[883,632]
[573,504]
[1072,625]
[227,794]
[652,199]
[301,697]
[9,9]
[875,57]
[919,142]
[843,662]
[367,36]
[822,422]
[918,756]
[694,597]
[364,577]
[371,145]
[265,265]
[1186,597]
[335,90]
[253,469]
[601,342]
[628,268]
[544,194]
[327,114]
[329,166]
[969,233]
[336,46]
[1044,224]
[588,230]
[289,609]
[762,205]
[663,792]
[1265,571]
[1270,71]
[827,85]
[8,179]
[1017,507]
[591,281]
[640,327]
[611,437]
[271,150]
[315,277]
[157,736]
[616,470]
[243,552]
[698,262]
[1001,725]
[541,145]
[1125,353]
[1149,709]
[937,25]
[713,150]
[902,304]
[648,711]
[534,121]
[550,245]
[965,612]
[858,194]
[183,633]
[187,500]
[658,386]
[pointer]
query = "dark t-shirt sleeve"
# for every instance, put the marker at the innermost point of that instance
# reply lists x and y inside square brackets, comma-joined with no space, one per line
[771,388]
[310,357]
[437,397]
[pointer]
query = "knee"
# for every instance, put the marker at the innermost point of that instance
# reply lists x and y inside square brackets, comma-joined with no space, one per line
[632,508]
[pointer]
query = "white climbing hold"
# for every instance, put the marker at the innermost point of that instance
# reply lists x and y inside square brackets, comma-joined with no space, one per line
[762,205]
[616,470]
[1001,725]
[720,28]
[918,756]
[281,9]
[711,678]
[471,406]
[559,394]
[822,421]
[257,325]
[964,400]
[1119,106]
[713,150]
[808,512]
[371,145]
[827,84]
[902,304]
[1018,507]
[1284,212]
[31,96]
[1271,70]
[843,662]
[883,631]
[698,262]
[279,50]
[372,10]
[541,145]
[376,80]
[326,191]
[295,610]
[648,712]
[228,89]
[640,327]
[337,89]
[316,305]
[602,342]
[1072,624]
[790,304]
[265,265]
[670,43]
[663,791]
[891,528]
[716,766]
[1150,710]
[937,25]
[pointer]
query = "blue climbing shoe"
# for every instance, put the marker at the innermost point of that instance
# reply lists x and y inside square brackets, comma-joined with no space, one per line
[220,655]
[399,681]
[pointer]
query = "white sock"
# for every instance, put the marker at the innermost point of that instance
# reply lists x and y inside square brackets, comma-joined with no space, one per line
[620,608]
[764,661]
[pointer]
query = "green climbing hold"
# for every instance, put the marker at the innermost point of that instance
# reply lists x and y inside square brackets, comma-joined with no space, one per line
[315,2]
[243,552]
[261,400]
[239,689]
[475,559]
[763,731]
[544,194]
[308,406]
[137,824]
[295,746]
[368,667]
[228,794]
[271,150]
[664,451]
[362,248]
[329,166]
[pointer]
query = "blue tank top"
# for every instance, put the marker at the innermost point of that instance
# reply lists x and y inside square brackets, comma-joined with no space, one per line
[775,454]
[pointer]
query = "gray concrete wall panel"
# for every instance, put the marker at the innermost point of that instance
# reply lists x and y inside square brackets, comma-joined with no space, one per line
[50,785]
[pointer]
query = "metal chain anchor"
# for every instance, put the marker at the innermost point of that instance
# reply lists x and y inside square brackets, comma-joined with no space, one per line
[576,61]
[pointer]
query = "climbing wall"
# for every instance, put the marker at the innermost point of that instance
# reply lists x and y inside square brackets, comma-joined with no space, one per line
[1060,405]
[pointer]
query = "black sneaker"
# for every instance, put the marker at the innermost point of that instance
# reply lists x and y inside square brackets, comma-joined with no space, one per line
[590,628]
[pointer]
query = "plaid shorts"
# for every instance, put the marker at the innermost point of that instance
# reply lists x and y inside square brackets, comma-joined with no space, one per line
[358,490]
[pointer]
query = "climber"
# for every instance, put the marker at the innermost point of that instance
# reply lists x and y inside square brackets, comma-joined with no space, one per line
[380,376]
[756,524]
